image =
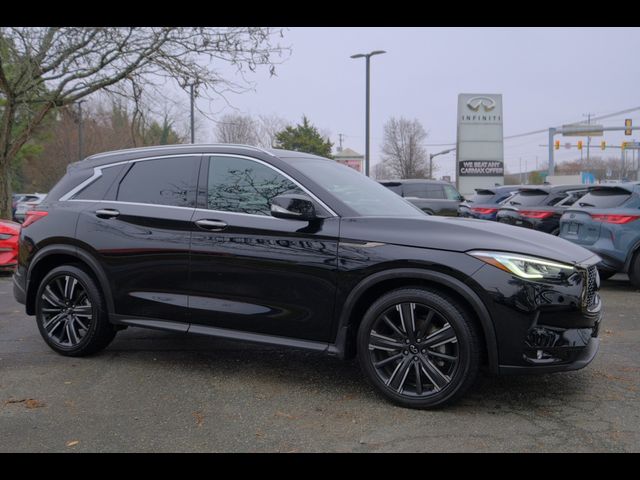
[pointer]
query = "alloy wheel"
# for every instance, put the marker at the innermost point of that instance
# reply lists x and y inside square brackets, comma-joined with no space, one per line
[66,311]
[413,349]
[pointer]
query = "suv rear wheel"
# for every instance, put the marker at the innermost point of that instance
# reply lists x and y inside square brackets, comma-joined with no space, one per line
[70,313]
[418,349]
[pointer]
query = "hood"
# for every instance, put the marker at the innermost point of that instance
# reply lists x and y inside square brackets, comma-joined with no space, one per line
[461,235]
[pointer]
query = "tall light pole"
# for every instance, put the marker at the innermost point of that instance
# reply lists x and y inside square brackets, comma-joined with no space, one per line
[432,155]
[367,56]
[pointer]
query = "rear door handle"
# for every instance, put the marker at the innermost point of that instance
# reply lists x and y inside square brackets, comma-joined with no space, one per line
[107,213]
[211,225]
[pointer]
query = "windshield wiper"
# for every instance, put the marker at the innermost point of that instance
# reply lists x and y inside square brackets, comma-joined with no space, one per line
[585,204]
[515,203]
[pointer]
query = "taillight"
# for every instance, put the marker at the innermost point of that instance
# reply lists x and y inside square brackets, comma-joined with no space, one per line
[536,214]
[616,219]
[33,216]
[484,211]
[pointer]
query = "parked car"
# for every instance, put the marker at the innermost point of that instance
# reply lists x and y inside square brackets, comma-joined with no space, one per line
[9,232]
[485,203]
[296,250]
[17,198]
[607,221]
[540,207]
[433,197]
[27,203]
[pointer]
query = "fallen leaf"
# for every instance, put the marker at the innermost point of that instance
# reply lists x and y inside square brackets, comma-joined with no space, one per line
[15,401]
[72,443]
[33,403]
[199,418]
[282,414]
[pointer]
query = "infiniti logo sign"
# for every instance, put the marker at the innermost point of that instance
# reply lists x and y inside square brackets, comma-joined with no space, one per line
[486,103]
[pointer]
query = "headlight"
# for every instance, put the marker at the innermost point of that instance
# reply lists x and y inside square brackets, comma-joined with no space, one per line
[524,266]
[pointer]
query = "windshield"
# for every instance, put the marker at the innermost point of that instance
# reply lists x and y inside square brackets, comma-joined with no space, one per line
[367,197]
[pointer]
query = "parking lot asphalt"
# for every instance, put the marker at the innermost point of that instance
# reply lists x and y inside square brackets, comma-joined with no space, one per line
[152,391]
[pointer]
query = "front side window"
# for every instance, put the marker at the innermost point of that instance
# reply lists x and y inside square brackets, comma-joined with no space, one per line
[451,193]
[244,186]
[167,181]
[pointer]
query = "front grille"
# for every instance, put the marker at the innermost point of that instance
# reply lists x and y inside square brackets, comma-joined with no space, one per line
[591,287]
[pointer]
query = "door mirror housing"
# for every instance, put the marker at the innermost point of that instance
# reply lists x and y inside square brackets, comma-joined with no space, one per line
[293,206]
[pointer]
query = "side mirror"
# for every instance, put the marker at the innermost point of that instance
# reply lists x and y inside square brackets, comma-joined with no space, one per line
[293,206]
[461,198]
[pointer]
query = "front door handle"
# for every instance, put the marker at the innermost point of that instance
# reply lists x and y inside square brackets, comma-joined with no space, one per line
[211,225]
[107,213]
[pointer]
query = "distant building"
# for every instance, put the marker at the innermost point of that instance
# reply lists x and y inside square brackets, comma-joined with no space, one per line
[350,158]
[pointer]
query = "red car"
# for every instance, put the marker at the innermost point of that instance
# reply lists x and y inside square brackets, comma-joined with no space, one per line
[9,233]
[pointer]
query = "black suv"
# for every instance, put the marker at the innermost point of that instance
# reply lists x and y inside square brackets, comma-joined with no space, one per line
[296,250]
[433,197]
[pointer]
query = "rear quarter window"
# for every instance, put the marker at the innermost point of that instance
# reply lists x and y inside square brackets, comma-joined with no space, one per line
[528,199]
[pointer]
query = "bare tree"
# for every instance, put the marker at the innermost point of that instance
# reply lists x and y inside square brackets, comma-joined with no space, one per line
[381,171]
[235,128]
[402,150]
[44,68]
[268,127]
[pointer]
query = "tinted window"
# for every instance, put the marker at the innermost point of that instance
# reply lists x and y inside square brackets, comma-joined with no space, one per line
[167,181]
[528,198]
[572,198]
[451,193]
[394,187]
[606,198]
[97,189]
[557,198]
[244,186]
[423,190]
[481,196]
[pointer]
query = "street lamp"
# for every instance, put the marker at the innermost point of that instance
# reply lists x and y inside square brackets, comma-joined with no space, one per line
[432,155]
[367,56]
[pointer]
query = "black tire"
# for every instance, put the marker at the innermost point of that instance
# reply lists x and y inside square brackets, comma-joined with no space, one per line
[453,376]
[71,314]
[606,274]
[634,270]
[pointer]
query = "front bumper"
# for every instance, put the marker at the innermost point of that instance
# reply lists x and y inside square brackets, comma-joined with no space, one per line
[542,327]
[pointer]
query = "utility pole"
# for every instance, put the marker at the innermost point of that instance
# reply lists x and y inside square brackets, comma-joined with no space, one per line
[588,115]
[193,131]
[340,136]
[520,170]
[80,139]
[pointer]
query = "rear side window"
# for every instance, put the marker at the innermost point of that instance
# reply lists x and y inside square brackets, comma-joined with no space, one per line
[528,198]
[97,189]
[394,187]
[167,181]
[605,198]
[423,190]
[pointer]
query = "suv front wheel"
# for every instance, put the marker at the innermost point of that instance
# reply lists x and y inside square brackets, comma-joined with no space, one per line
[70,313]
[418,349]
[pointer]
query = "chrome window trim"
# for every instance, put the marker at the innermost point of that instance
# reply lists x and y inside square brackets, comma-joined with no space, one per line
[97,173]
[168,147]
[130,203]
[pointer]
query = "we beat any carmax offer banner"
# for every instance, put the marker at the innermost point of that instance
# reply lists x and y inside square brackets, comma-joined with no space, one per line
[480,168]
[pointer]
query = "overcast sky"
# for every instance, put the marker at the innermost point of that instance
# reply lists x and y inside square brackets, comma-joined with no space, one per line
[547,76]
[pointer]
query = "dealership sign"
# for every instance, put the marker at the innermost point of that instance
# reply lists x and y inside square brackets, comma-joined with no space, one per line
[480,168]
[479,146]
